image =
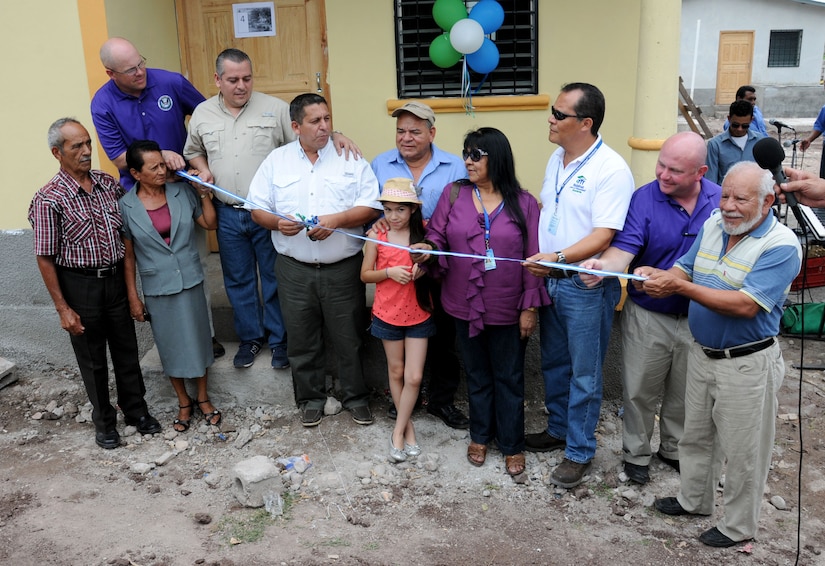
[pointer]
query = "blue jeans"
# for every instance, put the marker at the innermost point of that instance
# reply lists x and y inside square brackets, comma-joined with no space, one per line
[575,331]
[246,250]
[494,364]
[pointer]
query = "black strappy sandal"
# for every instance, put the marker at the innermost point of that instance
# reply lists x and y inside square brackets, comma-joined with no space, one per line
[209,416]
[185,423]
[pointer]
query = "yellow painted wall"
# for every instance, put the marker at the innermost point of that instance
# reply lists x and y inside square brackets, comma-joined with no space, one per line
[47,81]
[568,52]
[603,48]
[150,25]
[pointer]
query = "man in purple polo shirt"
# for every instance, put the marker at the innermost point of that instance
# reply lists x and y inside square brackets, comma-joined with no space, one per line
[140,103]
[662,223]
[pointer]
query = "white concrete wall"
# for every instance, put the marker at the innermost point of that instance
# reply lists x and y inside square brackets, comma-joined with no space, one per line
[804,98]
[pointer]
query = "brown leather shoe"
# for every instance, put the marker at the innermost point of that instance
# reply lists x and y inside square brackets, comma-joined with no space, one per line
[569,474]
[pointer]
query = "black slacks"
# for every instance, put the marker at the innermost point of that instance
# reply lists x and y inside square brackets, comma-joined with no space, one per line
[103,308]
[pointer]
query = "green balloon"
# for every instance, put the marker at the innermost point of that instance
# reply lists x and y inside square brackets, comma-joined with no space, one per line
[448,12]
[442,52]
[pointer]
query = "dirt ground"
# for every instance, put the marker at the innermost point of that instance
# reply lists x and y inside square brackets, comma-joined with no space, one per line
[169,500]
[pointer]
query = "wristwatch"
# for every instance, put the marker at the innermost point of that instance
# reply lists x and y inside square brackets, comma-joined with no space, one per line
[562,258]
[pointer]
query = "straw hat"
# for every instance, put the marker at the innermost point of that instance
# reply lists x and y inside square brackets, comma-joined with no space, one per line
[399,189]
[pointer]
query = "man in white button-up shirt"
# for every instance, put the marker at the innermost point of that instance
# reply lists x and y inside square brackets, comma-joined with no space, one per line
[318,269]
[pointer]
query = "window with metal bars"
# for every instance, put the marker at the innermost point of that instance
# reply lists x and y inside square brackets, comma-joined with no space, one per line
[784,48]
[516,39]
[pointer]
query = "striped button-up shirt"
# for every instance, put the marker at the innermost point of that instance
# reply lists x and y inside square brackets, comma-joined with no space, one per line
[77,228]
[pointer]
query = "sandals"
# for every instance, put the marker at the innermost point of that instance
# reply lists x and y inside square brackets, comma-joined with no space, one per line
[209,416]
[184,423]
[515,464]
[476,454]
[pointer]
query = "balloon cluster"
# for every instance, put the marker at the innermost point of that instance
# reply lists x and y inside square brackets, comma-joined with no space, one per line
[464,35]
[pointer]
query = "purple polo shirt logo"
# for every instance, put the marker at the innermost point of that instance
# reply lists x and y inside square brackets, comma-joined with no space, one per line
[165,103]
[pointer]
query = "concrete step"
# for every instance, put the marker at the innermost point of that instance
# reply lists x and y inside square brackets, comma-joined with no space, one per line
[257,385]
[228,386]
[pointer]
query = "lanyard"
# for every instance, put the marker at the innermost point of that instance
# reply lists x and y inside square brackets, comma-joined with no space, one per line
[488,220]
[559,189]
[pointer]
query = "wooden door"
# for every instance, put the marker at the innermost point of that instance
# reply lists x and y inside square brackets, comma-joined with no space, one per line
[734,64]
[291,62]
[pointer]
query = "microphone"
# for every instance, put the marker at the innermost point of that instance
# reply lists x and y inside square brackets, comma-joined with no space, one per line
[789,143]
[779,125]
[768,154]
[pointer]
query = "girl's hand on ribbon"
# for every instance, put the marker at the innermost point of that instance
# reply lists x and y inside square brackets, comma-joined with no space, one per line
[420,257]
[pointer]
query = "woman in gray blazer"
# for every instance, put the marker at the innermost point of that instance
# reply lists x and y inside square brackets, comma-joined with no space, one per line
[158,230]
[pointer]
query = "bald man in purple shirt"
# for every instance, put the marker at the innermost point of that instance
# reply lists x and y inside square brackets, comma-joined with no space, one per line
[662,223]
[140,103]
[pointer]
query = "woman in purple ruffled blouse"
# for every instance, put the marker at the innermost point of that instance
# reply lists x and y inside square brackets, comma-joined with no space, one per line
[494,302]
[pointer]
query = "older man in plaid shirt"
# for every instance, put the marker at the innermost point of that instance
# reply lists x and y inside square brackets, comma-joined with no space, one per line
[76,220]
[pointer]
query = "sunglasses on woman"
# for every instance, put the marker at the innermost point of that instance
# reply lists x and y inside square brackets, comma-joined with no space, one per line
[474,154]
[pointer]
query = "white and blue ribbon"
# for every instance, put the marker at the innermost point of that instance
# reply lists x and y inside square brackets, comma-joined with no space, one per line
[311,222]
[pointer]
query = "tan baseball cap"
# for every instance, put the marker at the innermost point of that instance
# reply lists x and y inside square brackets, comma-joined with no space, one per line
[399,189]
[418,109]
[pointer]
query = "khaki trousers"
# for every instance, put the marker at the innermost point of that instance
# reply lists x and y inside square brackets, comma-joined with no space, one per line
[654,364]
[730,413]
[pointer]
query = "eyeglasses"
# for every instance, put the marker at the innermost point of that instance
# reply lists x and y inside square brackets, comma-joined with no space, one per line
[562,116]
[738,126]
[474,154]
[132,71]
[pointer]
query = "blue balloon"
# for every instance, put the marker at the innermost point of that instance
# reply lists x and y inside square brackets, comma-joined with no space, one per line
[485,59]
[489,14]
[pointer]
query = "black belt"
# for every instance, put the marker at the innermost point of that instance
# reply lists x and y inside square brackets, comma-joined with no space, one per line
[238,205]
[315,264]
[560,273]
[99,272]
[739,350]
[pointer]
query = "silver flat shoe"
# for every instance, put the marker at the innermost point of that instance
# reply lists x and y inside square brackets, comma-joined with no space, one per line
[412,450]
[396,454]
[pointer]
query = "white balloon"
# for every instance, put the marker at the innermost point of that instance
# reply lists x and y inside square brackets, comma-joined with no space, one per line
[466,36]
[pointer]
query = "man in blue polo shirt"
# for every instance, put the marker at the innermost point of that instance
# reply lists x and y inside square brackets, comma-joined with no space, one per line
[140,103]
[662,223]
[734,145]
[417,157]
[737,275]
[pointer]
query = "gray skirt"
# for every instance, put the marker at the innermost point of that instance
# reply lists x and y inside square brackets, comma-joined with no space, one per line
[180,326]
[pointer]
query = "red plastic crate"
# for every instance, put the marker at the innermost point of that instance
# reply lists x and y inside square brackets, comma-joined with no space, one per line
[816,274]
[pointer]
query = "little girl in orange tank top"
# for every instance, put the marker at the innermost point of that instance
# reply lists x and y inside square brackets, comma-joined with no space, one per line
[401,308]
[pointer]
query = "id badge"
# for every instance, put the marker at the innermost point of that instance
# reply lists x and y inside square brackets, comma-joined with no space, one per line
[490,262]
[554,224]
